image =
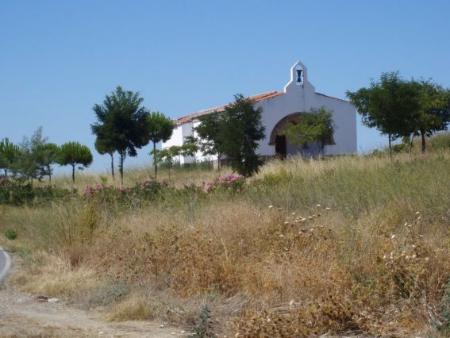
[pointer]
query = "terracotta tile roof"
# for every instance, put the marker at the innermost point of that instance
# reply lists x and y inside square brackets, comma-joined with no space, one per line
[193,116]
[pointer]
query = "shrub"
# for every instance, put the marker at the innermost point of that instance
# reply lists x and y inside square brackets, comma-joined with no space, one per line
[148,190]
[445,305]
[10,234]
[19,192]
[232,182]
[204,327]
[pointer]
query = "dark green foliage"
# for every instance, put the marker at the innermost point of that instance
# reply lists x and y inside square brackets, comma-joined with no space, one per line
[11,234]
[75,154]
[32,159]
[433,112]
[204,327]
[316,126]
[9,153]
[103,146]
[240,131]
[46,155]
[121,124]
[208,132]
[166,156]
[400,108]
[387,105]
[234,133]
[20,192]
[159,129]
[27,163]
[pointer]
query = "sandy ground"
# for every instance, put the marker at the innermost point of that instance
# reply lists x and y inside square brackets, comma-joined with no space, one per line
[22,315]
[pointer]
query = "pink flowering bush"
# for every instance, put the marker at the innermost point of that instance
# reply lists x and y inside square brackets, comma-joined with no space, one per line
[148,190]
[230,182]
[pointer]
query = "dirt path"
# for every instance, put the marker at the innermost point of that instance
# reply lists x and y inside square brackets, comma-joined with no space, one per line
[22,315]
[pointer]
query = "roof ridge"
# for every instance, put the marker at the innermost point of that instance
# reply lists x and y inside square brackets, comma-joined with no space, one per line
[258,97]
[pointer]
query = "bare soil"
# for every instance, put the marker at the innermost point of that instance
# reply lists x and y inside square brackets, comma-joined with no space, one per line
[22,315]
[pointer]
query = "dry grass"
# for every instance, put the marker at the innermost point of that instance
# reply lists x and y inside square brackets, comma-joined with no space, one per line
[349,244]
[178,177]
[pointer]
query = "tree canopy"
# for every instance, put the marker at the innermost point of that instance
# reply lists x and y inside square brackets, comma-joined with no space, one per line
[240,129]
[121,124]
[75,154]
[159,129]
[315,126]
[208,132]
[9,153]
[401,108]
[433,111]
[46,155]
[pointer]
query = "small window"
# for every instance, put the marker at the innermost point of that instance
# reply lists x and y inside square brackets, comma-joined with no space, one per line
[299,76]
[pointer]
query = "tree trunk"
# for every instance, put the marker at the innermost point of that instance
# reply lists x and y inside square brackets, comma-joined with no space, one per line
[422,135]
[411,143]
[6,172]
[390,145]
[73,173]
[112,166]
[122,159]
[155,164]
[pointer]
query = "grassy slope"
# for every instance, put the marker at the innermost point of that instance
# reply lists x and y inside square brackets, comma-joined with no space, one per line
[346,244]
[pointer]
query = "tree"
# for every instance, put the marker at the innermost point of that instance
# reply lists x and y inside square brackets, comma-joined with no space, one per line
[121,124]
[159,128]
[9,153]
[240,129]
[46,155]
[387,105]
[28,163]
[433,113]
[167,155]
[104,147]
[73,154]
[209,131]
[189,147]
[316,126]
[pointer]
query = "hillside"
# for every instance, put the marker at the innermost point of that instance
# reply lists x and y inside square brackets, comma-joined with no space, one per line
[343,245]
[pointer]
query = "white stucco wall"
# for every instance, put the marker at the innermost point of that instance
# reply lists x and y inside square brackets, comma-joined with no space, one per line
[298,96]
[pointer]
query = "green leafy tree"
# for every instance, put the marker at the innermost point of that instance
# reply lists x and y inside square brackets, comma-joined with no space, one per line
[27,164]
[209,136]
[104,147]
[159,129]
[167,156]
[316,126]
[46,155]
[121,124]
[9,153]
[189,147]
[74,154]
[387,105]
[433,111]
[240,129]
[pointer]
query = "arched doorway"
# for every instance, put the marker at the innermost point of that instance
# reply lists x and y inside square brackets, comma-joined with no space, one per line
[281,146]
[279,139]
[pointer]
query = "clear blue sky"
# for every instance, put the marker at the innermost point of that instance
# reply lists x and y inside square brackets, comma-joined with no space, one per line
[59,58]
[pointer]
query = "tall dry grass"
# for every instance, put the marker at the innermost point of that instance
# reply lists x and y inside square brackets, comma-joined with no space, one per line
[351,244]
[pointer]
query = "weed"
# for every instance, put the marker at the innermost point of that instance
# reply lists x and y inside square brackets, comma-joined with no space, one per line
[204,326]
[11,234]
